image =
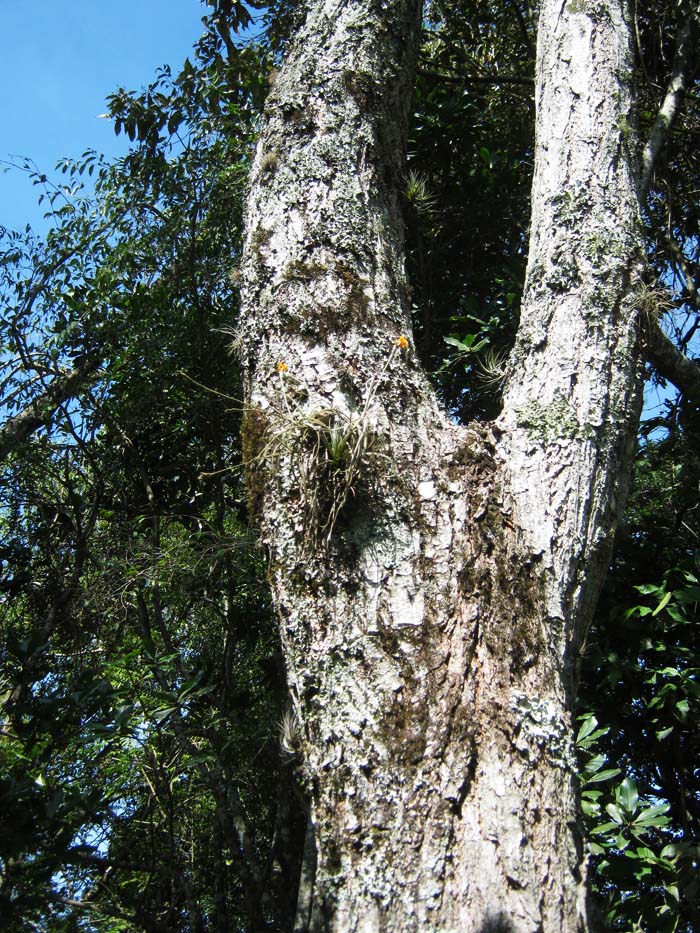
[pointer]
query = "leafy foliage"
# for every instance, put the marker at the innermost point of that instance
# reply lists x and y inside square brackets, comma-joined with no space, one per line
[642,672]
[141,784]
[470,149]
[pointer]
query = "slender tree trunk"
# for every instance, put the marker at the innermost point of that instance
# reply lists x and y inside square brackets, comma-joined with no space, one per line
[434,582]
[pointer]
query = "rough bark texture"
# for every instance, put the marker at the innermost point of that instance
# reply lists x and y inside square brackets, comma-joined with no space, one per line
[434,581]
[571,404]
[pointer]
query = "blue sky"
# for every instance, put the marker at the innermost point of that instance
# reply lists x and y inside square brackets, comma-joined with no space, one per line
[59,59]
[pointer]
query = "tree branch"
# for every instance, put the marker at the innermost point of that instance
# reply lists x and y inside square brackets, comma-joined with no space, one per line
[673,365]
[523,28]
[669,108]
[40,410]
[682,263]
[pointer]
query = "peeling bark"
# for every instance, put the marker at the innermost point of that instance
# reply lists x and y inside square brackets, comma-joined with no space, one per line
[433,582]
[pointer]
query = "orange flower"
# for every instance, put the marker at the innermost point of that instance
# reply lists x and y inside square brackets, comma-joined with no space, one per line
[282,367]
[401,343]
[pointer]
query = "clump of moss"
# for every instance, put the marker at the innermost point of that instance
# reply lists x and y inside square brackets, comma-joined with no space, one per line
[255,426]
[304,271]
[269,161]
[261,237]
[362,87]
[330,454]
[331,451]
[357,302]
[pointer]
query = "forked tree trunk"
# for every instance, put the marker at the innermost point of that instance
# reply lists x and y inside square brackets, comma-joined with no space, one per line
[434,582]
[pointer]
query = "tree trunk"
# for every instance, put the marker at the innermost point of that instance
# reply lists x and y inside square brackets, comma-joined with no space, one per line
[434,582]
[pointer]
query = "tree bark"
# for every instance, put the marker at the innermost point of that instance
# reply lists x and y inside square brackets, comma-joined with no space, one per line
[434,582]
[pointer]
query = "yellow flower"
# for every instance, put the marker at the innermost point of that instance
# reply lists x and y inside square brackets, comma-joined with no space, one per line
[282,367]
[401,343]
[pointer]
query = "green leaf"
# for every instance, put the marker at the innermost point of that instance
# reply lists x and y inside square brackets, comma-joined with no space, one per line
[664,602]
[614,812]
[643,853]
[589,724]
[689,594]
[593,764]
[653,816]
[590,808]
[604,828]
[627,796]
[605,775]
[456,342]
[160,714]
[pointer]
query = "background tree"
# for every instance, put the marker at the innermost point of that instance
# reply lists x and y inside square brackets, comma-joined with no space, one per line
[142,784]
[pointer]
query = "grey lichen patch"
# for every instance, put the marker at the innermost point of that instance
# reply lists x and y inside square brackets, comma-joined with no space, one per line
[296,114]
[625,76]
[404,728]
[554,421]
[626,129]
[571,205]
[327,150]
[604,249]
[498,578]
[523,627]
[541,723]
[476,450]
[508,587]
[312,313]
[591,8]
[357,302]
[404,731]
[563,273]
